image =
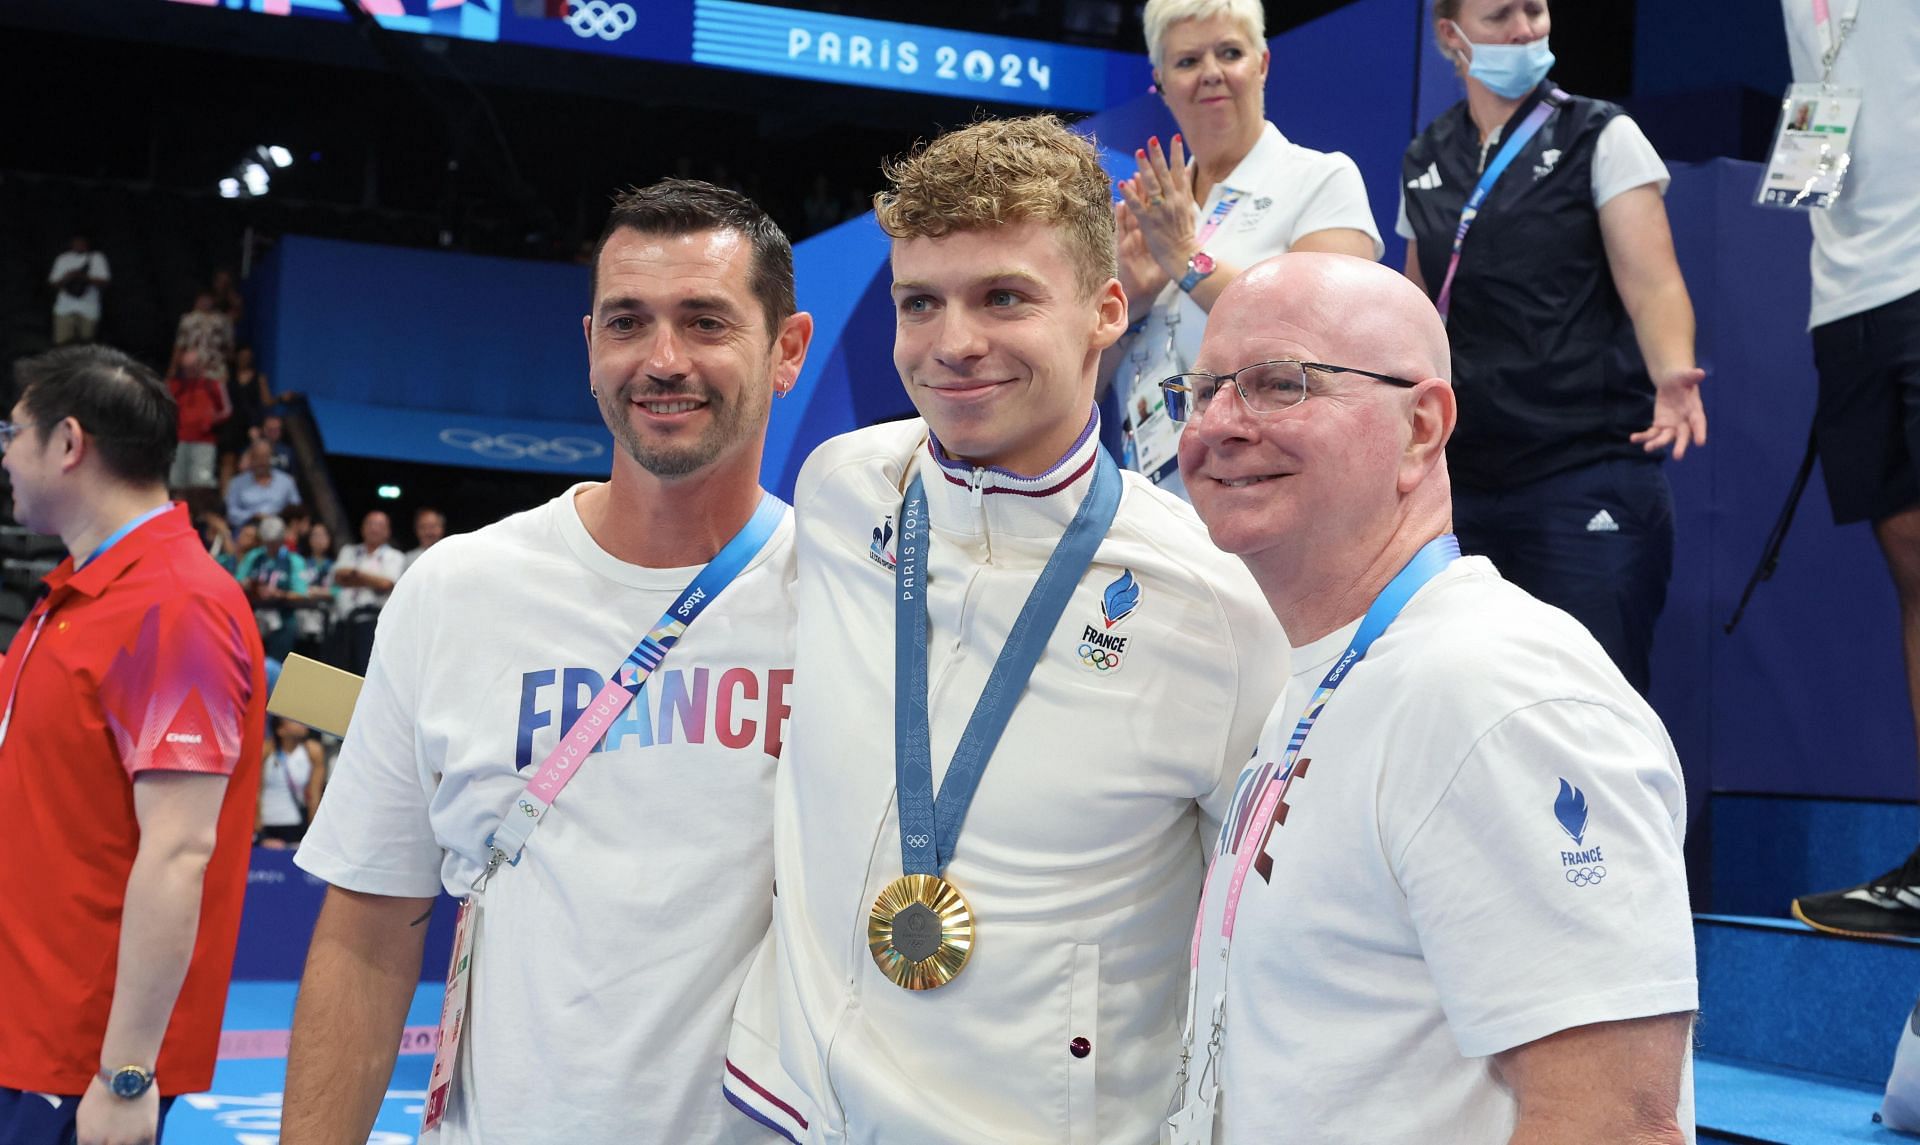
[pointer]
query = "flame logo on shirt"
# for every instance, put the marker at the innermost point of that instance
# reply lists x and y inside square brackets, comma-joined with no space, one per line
[1120,599]
[1571,809]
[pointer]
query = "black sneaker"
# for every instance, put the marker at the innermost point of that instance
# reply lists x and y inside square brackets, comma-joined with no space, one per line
[1888,905]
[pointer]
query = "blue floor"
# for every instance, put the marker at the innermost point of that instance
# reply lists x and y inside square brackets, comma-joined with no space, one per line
[243,1107]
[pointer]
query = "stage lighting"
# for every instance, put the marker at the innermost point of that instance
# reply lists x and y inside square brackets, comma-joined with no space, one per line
[255,177]
[229,188]
[388,492]
[278,155]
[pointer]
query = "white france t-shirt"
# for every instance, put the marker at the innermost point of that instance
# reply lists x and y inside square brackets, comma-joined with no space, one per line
[607,961]
[1425,904]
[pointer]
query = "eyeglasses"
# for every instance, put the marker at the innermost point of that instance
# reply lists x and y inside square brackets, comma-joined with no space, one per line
[1265,387]
[10,430]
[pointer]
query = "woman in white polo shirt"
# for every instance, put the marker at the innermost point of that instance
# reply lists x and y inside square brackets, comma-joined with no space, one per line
[1226,192]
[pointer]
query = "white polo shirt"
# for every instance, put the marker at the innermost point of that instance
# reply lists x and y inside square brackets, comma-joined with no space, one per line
[1081,853]
[1287,192]
[1481,846]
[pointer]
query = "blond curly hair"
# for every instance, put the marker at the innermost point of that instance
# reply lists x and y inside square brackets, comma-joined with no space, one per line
[1001,172]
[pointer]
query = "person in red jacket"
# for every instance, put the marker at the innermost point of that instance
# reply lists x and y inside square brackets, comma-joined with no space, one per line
[132,717]
[203,406]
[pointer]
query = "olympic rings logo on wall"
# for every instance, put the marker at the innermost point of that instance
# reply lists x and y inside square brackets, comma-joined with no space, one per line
[1586,876]
[599,18]
[1099,659]
[522,446]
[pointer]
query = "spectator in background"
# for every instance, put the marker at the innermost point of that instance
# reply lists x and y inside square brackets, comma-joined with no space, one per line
[317,548]
[261,489]
[79,274]
[246,372]
[429,526]
[363,576]
[225,544]
[298,522]
[207,332]
[293,772]
[1185,228]
[202,402]
[244,396]
[227,299]
[275,578]
[130,776]
[273,431]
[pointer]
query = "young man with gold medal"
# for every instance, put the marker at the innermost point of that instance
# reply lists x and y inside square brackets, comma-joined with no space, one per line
[1025,683]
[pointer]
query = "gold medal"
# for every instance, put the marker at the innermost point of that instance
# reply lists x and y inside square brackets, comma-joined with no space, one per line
[920,932]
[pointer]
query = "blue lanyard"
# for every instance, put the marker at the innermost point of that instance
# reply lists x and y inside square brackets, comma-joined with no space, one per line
[1433,557]
[1529,127]
[120,534]
[927,836]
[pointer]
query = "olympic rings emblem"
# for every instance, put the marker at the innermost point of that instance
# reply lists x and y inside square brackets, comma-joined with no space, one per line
[522,446]
[599,18]
[529,810]
[1099,659]
[918,840]
[1586,876]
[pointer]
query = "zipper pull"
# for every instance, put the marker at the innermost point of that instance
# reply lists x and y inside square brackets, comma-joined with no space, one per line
[978,484]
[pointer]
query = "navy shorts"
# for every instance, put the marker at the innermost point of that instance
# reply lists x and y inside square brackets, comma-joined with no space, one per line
[1595,541]
[30,1119]
[1867,424]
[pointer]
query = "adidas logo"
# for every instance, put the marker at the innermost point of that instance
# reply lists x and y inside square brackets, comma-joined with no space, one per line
[1603,522]
[1429,181]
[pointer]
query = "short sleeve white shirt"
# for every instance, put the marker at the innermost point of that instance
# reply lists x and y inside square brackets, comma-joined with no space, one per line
[1481,846]
[1866,248]
[608,959]
[87,303]
[386,562]
[1623,158]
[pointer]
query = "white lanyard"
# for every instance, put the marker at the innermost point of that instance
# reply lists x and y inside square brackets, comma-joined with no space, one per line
[6,718]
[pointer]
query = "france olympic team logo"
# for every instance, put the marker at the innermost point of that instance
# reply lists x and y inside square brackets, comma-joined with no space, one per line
[1120,599]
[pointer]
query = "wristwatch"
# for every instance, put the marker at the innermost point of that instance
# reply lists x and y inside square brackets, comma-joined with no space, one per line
[1198,268]
[129,1081]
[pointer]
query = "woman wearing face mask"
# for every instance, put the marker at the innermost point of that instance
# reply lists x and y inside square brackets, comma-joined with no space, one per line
[1537,226]
[1224,193]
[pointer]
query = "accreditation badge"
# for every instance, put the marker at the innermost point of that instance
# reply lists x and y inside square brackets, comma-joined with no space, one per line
[920,932]
[1812,147]
[453,1021]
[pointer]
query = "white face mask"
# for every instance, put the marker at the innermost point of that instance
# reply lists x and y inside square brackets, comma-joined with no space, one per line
[1509,70]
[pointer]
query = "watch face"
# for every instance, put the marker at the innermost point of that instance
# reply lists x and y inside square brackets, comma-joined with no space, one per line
[1203,263]
[130,1082]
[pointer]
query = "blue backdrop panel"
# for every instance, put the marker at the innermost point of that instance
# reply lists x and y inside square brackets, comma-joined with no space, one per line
[442,437]
[1808,696]
[429,329]
[276,923]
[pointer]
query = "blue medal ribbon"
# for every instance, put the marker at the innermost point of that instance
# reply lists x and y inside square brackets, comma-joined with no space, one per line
[928,830]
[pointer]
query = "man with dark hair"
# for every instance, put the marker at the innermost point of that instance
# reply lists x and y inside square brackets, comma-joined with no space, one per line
[130,738]
[606,957]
